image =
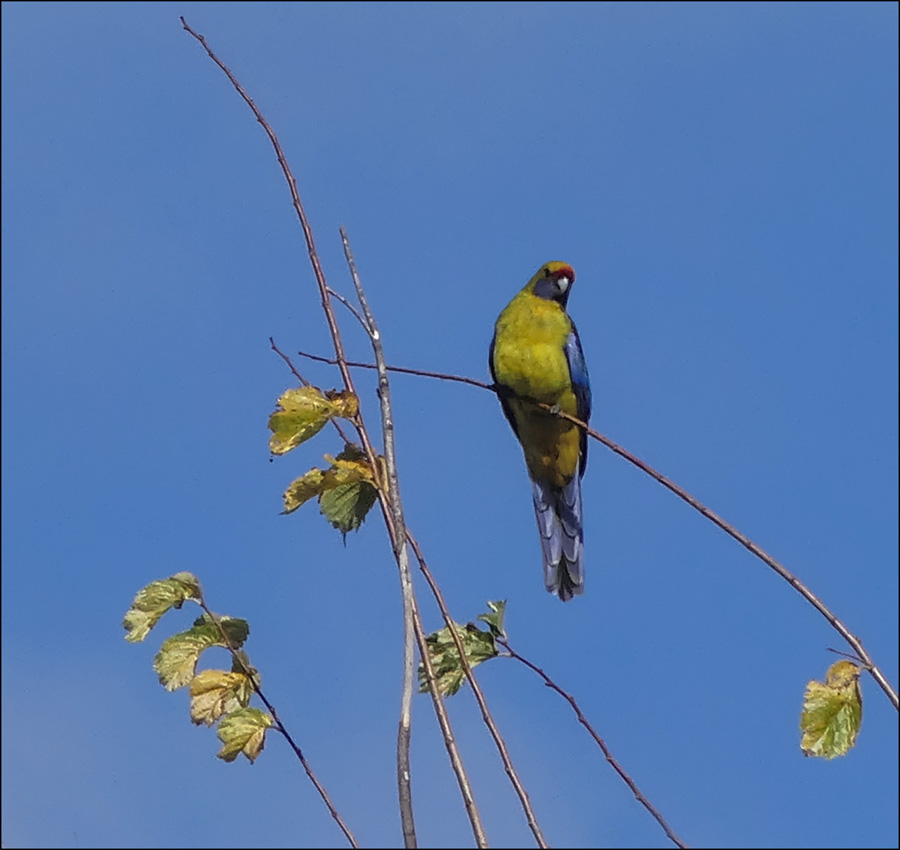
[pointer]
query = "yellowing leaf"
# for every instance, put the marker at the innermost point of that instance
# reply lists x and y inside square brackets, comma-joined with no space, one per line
[303,489]
[214,692]
[351,457]
[448,669]
[832,712]
[243,731]
[345,403]
[177,657]
[303,411]
[346,471]
[152,601]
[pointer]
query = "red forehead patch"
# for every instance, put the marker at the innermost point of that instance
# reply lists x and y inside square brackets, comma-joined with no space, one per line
[564,270]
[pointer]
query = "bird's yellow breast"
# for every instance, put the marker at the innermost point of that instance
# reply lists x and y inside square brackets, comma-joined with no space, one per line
[529,350]
[529,360]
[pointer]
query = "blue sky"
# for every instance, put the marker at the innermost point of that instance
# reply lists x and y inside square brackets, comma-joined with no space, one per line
[723,178]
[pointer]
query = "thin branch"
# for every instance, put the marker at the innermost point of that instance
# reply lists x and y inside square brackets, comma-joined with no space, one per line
[399,535]
[403,772]
[278,723]
[479,695]
[765,557]
[295,198]
[396,528]
[600,743]
[855,658]
[334,294]
[287,360]
[461,379]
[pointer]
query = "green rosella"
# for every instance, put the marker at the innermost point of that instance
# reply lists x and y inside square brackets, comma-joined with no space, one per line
[536,356]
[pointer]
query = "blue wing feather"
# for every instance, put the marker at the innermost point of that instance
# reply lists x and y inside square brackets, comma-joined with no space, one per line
[581,385]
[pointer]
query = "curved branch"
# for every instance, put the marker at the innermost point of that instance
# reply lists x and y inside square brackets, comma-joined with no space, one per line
[697,505]
[760,553]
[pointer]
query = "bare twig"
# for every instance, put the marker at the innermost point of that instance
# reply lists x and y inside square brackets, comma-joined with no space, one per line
[461,379]
[765,557]
[396,527]
[278,723]
[399,536]
[334,294]
[852,656]
[479,695]
[287,360]
[295,198]
[600,743]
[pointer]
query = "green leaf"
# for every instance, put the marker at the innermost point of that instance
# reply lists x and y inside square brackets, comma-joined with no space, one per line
[243,731]
[177,658]
[154,600]
[448,670]
[495,618]
[347,505]
[832,712]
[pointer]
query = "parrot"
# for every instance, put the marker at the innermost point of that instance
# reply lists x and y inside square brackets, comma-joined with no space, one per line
[536,355]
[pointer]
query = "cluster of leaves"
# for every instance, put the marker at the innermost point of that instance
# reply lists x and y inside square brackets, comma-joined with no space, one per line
[832,712]
[479,645]
[346,490]
[216,695]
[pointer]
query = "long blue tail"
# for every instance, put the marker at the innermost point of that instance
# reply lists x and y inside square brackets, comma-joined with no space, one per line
[558,512]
